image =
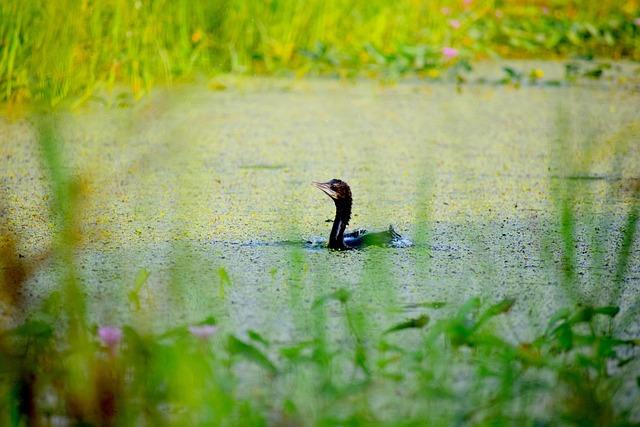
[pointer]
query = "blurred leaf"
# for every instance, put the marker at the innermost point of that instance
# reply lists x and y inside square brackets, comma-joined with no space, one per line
[560,315]
[208,321]
[606,347]
[512,75]
[137,345]
[375,54]
[610,311]
[418,322]
[428,304]
[461,328]
[141,279]
[582,315]
[626,361]
[594,73]
[586,362]
[628,238]
[52,303]
[529,354]
[564,336]
[470,307]
[34,329]
[341,295]
[361,358]
[586,314]
[258,338]
[250,352]
[502,307]
[385,346]
[581,340]
[225,281]
[571,70]
[292,352]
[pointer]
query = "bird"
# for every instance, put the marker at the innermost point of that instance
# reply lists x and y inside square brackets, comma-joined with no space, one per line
[340,193]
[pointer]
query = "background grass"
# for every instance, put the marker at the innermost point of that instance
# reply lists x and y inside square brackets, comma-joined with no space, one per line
[53,50]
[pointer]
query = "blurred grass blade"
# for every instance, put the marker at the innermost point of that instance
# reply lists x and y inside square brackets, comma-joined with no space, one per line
[501,307]
[341,295]
[624,254]
[250,352]
[416,323]
[141,279]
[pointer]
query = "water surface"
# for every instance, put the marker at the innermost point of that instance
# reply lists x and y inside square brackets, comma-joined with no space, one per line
[204,188]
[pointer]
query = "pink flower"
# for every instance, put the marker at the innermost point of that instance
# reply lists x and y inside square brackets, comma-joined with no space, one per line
[637,22]
[450,52]
[467,2]
[203,331]
[545,10]
[110,336]
[454,23]
[499,14]
[445,10]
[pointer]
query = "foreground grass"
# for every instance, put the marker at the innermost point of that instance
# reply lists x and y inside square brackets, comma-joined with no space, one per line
[456,370]
[55,50]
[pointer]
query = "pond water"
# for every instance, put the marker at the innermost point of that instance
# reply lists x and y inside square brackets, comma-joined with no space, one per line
[210,192]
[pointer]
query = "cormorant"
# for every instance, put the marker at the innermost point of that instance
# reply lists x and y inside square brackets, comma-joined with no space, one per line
[340,192]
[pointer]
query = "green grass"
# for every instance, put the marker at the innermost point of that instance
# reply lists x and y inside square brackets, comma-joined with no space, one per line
[373,363]
[356,356]
[60,50]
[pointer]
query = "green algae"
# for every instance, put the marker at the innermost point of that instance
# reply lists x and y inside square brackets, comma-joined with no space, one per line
[218,178]
[197,205]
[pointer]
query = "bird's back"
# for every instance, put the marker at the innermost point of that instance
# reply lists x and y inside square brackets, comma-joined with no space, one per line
[360,238]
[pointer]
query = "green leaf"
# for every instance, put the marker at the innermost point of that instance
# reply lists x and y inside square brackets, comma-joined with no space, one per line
[606,347]
[583,315]
[208,321]
[341,295]
[225,282]
[564,336]
[34,329]
[141,279]
[610,311]
[594,73]
[512,74]
[258,338]
[501,307]
[428,304]
[417,323]
[292,353]
[560,315]
[469,307]
[250,352]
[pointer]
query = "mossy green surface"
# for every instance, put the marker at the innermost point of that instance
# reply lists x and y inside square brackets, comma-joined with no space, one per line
[207,180]
[155,265]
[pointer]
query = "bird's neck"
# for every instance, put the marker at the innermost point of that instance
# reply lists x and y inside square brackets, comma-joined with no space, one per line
[343,215]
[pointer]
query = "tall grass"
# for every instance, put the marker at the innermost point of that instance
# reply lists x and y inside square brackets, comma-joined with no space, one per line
[55,50]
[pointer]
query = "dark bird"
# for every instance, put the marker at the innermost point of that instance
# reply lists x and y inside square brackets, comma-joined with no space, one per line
[340,192]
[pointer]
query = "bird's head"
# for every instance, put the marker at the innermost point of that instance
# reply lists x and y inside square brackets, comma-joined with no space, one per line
[337,189]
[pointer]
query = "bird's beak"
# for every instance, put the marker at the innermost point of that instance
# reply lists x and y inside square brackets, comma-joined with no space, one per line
[326,188]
